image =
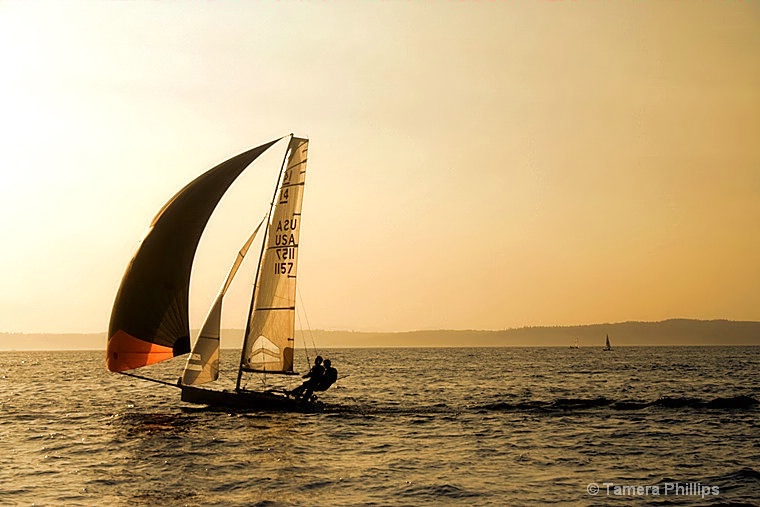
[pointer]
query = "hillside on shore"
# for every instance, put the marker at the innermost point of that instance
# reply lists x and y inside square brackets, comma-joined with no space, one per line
[681,332]
[664,333]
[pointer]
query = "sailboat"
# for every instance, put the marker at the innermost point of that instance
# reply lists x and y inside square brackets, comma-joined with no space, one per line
[576,344]
[150,316]
[607,345]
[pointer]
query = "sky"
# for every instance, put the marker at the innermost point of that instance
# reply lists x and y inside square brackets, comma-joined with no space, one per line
[473,164]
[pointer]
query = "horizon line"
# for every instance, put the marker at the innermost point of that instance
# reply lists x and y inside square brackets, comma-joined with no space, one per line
[424,330]
[590,347]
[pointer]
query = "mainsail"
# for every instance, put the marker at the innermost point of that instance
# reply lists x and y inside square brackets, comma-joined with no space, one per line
[269,338]
[203,362]
[149,320]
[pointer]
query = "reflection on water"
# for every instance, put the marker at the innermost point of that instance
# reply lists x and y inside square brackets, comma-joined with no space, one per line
[401,427]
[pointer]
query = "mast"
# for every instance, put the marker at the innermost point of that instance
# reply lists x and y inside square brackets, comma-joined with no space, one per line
[258,268]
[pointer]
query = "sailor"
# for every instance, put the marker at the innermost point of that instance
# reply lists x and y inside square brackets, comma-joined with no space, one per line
[324,382]
[329,378]
[314,376]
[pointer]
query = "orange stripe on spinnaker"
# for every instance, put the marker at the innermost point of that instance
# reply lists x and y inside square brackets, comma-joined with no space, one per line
[125,352]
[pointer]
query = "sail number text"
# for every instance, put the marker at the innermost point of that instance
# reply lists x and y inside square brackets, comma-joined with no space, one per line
[285,258]
[283,268]
[286,247]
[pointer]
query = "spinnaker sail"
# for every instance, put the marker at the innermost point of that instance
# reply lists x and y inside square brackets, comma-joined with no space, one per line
[149,320]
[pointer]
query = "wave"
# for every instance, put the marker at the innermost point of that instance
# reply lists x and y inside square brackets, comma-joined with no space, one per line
[149,423]
[741,476]
[741,484]
[430,413]
[567,404]
[437,492]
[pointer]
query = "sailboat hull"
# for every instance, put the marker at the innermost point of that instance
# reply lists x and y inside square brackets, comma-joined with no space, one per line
[249,401]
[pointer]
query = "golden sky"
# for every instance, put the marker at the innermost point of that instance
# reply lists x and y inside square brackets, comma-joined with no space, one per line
[473,164]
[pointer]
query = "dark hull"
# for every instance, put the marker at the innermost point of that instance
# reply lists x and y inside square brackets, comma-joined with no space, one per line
[249,401]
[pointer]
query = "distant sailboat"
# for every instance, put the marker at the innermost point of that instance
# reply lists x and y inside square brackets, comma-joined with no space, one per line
[607,345]
[150,318]
[576,344]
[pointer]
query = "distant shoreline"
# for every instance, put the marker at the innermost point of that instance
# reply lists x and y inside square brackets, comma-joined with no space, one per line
[424,348]
[671,332]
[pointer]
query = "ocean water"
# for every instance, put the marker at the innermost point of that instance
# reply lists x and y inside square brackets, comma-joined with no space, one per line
[485,426]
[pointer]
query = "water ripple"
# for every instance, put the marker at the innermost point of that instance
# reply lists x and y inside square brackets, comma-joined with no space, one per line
[511,427]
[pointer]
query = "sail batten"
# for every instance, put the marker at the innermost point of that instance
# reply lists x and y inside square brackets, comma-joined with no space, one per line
[150,317]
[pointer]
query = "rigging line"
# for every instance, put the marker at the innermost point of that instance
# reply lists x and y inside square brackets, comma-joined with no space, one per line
[303,337]
[308,325]
[150,379]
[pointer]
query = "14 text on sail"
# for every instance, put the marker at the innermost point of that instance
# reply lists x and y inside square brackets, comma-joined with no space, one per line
[150,317]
